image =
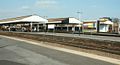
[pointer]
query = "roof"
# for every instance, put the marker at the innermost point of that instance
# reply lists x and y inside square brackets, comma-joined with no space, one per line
[28,18]
[90,21]
[67,20]
[57,19]
[107,22]
[16,18]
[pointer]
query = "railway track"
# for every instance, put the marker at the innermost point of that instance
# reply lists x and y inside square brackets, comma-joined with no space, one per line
[105,46]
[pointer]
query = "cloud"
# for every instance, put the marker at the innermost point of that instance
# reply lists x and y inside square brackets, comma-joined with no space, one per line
[24,7]
[46,4]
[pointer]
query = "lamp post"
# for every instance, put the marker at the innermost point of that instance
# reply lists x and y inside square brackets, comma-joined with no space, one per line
[45,24]
[79,18]
[78,15]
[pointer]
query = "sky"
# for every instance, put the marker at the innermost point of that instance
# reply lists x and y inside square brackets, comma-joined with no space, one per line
[89,9]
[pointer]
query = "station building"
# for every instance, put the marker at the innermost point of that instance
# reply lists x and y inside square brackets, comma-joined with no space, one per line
[23,23]
[90,26]
[105,24]
[116,25]
[35,23]
[68,24]
[102,25]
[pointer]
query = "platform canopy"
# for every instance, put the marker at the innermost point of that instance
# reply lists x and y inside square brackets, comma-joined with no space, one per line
[68,20]
[25,19]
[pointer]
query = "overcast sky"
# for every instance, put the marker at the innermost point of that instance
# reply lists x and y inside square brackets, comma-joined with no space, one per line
[91,9]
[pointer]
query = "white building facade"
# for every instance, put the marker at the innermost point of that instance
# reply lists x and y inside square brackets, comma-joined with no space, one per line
[105,25]
[23,23]
[64,24]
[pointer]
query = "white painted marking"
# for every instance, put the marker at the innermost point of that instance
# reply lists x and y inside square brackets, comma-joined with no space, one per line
[93,56]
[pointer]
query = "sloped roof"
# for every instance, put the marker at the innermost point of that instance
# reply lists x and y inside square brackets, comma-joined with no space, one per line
[16,18]
[35,18]
[67,20]
[28,18]
[90,21]
[57,19]
[107,22]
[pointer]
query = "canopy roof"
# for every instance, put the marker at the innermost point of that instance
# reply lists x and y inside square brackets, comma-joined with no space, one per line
[67,20]
[29,18]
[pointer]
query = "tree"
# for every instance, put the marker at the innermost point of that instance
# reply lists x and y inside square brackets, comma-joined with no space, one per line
[116,20]
[115,25]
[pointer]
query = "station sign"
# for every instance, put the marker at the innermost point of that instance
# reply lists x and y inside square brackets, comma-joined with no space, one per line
[89,25]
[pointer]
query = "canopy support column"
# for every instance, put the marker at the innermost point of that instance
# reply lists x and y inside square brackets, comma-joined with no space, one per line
[67,28]
[31,25]
[38,27]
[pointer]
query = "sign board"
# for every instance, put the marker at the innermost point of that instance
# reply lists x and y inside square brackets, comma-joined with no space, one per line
[51,26]
[89,25]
